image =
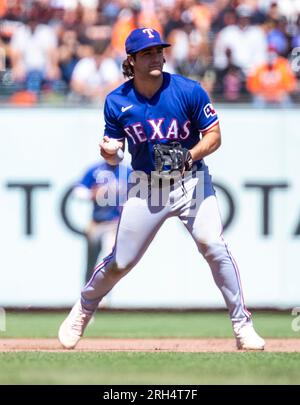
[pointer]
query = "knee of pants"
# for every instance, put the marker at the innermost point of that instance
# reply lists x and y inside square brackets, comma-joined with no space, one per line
[119,269]
[207,237]
[211,247]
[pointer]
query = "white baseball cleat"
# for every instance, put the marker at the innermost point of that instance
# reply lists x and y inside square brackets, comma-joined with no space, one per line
[72,328]
[246,337]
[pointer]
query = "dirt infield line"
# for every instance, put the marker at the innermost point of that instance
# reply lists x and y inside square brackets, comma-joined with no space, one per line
[143,345]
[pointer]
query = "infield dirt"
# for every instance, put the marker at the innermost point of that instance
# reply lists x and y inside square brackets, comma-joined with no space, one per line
[143,345]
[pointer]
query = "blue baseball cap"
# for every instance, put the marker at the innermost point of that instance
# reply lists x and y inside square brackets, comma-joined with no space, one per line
[143,38]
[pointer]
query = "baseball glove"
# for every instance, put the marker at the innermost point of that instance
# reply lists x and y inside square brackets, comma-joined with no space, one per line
[172,157]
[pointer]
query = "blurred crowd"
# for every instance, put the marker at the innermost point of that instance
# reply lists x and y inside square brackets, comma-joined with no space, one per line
[71,51]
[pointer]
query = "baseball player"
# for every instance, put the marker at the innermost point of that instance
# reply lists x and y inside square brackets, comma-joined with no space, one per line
[101,230]
[170,125]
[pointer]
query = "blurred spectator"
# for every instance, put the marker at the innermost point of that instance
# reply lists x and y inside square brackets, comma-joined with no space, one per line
[130,17]
[179,39]
[85,47]
[231,81]
[277,36]
[296,35]
[199,13]
[4,51]
[172,20]
[288,8]
[276,9]
[272,11]
[197,65]
[247,43]
[33,54]
[71,19]
[2,8]
[192,66]
[258,14]
[226,17]
[95,76]
[68,55]
[111,10]
[273,82]
[189,35]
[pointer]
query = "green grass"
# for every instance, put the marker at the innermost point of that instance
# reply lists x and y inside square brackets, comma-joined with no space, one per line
[149,368]
[147,325]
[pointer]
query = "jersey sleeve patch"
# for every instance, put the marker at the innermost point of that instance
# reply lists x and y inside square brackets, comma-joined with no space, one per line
[204,113]
[209,110]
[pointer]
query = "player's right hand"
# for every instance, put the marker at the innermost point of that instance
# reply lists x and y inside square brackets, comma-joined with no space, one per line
[106,152]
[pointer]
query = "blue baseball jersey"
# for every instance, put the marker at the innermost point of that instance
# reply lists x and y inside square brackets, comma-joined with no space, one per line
[178,111]
[92,178]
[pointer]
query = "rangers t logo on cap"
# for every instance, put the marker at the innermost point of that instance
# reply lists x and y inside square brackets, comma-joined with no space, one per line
[149,32]
[143,38]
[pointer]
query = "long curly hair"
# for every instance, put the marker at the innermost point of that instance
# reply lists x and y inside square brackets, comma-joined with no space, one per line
[127,69]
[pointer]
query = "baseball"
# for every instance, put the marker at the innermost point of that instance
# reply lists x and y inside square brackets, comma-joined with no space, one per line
[115,159]
[111,146]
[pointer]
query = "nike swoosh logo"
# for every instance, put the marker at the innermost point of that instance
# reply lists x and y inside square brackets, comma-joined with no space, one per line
[123,109]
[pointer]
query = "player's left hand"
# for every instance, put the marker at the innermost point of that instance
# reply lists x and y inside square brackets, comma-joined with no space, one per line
[172,157]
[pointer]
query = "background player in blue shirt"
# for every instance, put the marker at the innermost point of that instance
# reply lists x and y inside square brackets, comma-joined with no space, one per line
[101,230]
[154,108]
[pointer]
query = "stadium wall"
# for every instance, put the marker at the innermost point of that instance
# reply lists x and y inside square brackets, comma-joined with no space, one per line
[256,173]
